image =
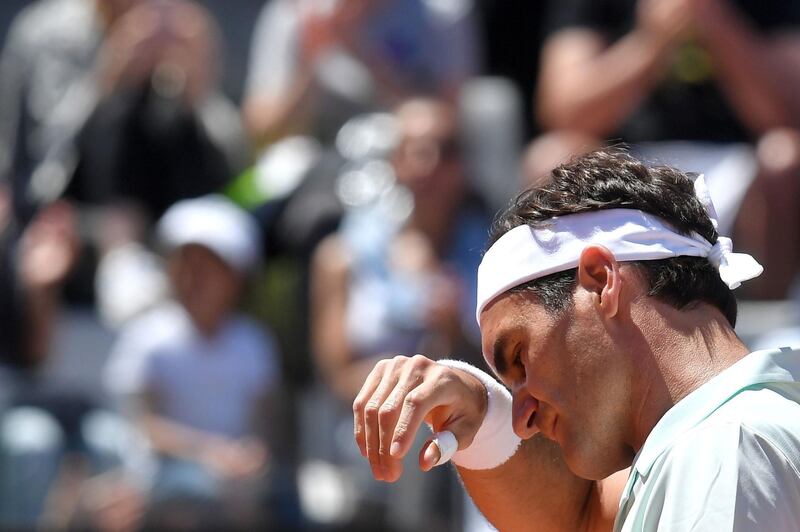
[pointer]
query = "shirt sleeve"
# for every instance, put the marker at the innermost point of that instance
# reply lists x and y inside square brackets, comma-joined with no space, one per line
[724,477]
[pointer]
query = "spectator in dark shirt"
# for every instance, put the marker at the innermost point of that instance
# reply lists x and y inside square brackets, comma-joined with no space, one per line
[716,75]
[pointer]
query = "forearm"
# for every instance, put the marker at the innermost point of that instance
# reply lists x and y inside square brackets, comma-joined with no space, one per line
[534,489]
[174,439]
[759,80]
[269,118]
[593,92]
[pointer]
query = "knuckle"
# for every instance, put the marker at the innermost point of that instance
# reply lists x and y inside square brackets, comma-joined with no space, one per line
[358,405]
[420,360]
[401,430]
[371,410]
[441,373]
[386,412]
[413,401]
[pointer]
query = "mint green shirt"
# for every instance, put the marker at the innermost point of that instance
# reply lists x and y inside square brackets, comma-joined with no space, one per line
[726,457]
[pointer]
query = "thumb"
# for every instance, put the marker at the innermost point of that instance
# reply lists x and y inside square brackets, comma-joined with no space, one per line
[429,455]
[456,435]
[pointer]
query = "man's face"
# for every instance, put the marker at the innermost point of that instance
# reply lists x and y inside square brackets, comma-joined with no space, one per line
[568,378]
[428,158]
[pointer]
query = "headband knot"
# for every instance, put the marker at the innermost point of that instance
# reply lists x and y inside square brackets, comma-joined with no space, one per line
[734,268]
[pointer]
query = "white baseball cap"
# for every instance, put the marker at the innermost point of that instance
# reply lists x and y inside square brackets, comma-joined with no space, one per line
[216,223]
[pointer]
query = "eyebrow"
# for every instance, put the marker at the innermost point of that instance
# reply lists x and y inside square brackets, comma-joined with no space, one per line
[498,357]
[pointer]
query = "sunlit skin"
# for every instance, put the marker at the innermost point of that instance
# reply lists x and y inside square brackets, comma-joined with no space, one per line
[597,378]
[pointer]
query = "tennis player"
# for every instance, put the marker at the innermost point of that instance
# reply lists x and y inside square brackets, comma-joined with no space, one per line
[606,308]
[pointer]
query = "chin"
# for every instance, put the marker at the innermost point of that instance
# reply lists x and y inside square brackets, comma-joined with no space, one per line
[592,462]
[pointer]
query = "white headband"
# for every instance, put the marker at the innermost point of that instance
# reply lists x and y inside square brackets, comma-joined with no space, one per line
[526,253]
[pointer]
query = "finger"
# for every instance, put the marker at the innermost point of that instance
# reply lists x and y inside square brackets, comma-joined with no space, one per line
[360,403]
[439,450]
[416,406]
[389,413]
[371,423]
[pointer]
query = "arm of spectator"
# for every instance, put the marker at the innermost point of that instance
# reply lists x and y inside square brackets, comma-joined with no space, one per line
[589,85]
[338,366]
[227,457]
[272,116]
[534,489]
[760,74]
[456,60]
[47,251]
[281,85]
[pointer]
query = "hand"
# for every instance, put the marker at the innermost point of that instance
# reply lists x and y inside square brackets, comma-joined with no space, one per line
[169,44]
[235,458]
[49,247]
[326,25]
[401,393]
[667,20]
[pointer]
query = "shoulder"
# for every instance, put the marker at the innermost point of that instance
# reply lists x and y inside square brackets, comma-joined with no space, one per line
[145,340]
[332,257]
[725,474]
[151,331]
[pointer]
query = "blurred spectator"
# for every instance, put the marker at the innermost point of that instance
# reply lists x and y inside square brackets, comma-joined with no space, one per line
[52,437]
[45,75]
[317,63]
[34,268]
[145,72]
[408,273]
[714,75]
[161,130]
[398,278]
[200,375]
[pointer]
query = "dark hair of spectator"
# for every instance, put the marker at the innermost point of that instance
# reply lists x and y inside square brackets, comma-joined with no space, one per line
[612,179]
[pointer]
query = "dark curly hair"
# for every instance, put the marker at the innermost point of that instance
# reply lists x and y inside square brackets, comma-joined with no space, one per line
[612,179]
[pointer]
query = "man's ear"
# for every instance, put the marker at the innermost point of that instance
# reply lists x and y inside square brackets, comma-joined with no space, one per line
[598,273]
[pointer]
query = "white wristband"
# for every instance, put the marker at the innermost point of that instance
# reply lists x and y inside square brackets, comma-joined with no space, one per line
[495,441]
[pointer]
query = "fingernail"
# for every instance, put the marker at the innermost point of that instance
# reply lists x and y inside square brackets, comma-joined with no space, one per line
[394,450]
[431,455]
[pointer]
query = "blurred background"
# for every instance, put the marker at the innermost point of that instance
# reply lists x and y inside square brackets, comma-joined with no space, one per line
[216,216]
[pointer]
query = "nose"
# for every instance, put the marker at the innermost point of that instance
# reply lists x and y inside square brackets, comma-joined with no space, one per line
[524,407]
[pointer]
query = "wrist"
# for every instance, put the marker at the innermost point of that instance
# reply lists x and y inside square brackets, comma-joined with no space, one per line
[495,441]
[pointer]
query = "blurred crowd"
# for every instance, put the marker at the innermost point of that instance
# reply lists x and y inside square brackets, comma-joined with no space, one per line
[216,216]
